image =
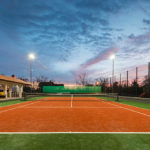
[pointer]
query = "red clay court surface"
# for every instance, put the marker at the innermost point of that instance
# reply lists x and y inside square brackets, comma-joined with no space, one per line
[73,116]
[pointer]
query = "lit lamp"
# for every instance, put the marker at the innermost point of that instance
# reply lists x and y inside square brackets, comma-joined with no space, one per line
[97,83]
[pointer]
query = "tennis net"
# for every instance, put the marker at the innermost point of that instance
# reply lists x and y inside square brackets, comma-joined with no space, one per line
[69,97]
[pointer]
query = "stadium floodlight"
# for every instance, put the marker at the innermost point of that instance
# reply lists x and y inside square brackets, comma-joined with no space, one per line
[31,58]
[112,57]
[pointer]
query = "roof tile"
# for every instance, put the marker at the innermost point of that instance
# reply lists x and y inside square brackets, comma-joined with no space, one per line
[10,79]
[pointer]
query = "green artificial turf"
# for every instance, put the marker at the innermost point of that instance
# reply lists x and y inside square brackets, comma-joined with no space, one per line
[6,103]
[128,102]
[10,103]
[75,142]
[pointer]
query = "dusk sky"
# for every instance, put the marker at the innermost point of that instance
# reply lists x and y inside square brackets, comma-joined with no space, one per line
[73,36]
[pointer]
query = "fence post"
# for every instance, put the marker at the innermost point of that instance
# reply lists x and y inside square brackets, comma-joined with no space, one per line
[127,82]
[137,81]
[137,74]
[120,85]
[110,84]
[149,78]
[120,79]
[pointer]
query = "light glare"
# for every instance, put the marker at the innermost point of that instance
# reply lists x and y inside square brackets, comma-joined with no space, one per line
[112,57]
[31,56]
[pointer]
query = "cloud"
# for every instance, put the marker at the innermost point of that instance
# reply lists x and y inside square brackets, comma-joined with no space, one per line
[146,21]
[100,57]
[140,39]
[107,5]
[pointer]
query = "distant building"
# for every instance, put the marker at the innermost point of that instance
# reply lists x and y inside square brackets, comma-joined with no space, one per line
[35,85]
[11,86]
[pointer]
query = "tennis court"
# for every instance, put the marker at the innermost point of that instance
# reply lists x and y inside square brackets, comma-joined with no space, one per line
[73,114]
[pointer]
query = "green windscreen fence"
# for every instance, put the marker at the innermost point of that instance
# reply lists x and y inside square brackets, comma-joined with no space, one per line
[72,89]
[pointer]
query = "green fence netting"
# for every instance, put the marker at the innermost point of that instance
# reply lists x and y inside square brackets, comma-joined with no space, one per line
[76,89]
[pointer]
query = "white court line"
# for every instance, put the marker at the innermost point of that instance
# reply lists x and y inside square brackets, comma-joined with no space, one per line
[17,107]
[76,107]
[71,101]
[74,132]
[55,107]
[129,109]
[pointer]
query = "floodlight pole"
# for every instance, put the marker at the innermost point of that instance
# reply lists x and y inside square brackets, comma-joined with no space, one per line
[31,58]
[112,57]
[113,69]
[31,71]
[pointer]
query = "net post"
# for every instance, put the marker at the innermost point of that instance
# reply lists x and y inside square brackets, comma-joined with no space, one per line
[71,100]
[117,98]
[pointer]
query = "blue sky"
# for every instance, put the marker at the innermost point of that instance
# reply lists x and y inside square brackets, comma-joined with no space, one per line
[67,35]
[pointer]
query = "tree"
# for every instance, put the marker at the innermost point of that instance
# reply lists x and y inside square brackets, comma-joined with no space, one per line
[146,86]
[115,87]
[42,79]
[24,79]
[103,82]
[82,79]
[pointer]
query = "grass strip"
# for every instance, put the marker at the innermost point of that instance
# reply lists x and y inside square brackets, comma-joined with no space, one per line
[11,102]
[75,141]
[128,102]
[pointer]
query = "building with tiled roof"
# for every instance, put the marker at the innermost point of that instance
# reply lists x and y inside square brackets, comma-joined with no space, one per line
[8,84]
